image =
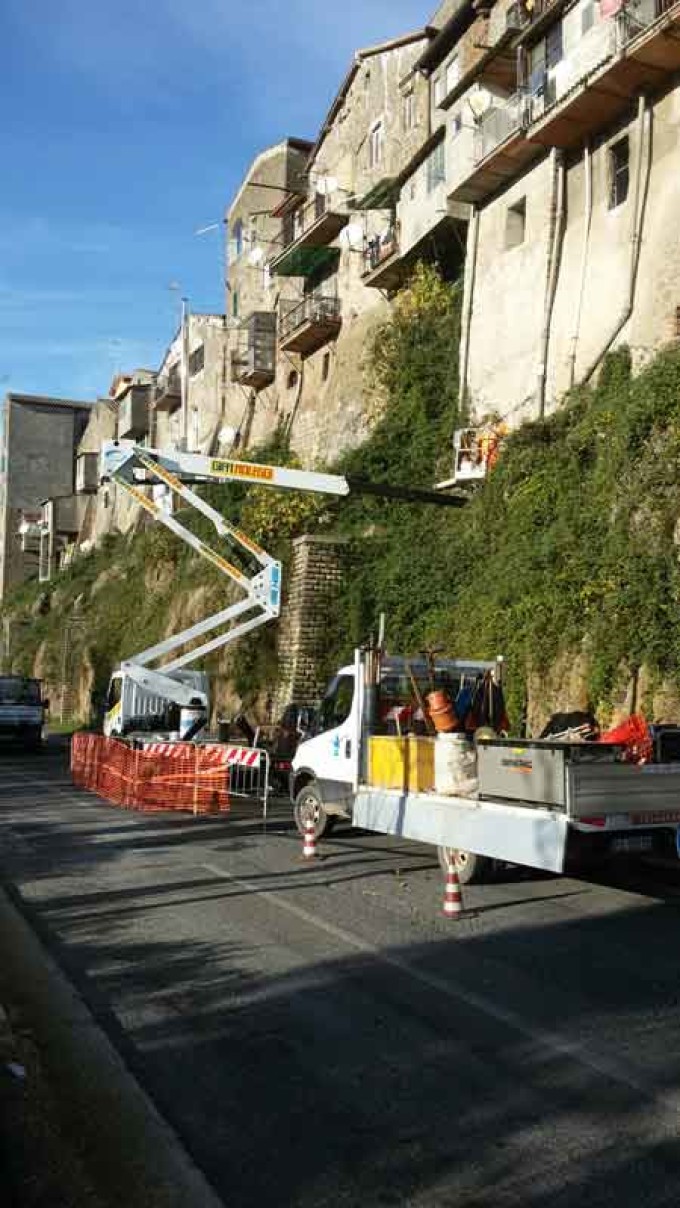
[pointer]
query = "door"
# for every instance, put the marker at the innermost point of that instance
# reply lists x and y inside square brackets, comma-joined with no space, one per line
[333,752]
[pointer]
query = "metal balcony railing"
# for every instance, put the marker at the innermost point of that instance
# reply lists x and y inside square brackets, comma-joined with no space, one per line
[307,216]
[315,308]
[497,124]
[380,248]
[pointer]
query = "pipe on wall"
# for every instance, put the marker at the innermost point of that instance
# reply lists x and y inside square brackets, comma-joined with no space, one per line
[587,219]
[466,318]
[555,239]
[640,191]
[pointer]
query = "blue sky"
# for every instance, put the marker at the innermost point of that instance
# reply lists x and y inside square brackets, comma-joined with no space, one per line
[125,128]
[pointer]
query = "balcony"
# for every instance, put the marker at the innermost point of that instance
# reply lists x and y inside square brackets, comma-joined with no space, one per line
[254,358]
[618,58]
[382,268]
[495,152]
[133,413]
[87,473]
[307,325]
[168,393]
[315,227]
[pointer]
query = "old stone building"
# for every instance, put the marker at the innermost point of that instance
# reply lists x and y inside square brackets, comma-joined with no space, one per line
[259,394]
[38,445]
[569,154]
[333,235]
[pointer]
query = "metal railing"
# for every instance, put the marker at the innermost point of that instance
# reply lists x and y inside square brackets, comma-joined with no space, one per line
[306,217]
[497,124]
[315,308]
[380,248]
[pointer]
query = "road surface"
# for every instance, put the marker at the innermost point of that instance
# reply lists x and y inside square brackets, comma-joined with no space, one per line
[324,1036]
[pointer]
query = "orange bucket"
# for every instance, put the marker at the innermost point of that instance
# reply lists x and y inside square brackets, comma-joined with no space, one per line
[442,712]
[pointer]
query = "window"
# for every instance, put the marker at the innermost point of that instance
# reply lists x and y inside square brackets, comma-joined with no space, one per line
[326,366]
[196,360]
[237,237]
[553,45]
[336,706]
[291,381]
[436,167]
[452,74]
[515,223]
[375,146]
[456,124]
[408,111]
[438,90]
[587,16]
[234,303]
[619,173]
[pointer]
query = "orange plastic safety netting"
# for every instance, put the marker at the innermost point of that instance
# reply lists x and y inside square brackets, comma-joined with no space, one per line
[160,776]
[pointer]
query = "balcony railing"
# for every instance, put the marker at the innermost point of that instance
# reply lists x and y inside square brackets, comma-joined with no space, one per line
[315,226]
[497,124]
[254,358]
[380,248]
[168,392]
[619,56]
[306,325]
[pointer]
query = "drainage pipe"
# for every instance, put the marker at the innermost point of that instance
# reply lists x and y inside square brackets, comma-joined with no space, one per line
[555,239]
[466,318]
[587,219]
[640,191]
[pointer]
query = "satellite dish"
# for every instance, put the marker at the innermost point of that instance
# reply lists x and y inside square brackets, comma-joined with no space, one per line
[226,436]
[255,256]
[479,101]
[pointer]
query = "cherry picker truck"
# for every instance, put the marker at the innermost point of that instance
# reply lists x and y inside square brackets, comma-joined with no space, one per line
[155,682]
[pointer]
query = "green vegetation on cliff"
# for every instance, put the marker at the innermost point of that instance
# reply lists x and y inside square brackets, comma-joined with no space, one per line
[569,552]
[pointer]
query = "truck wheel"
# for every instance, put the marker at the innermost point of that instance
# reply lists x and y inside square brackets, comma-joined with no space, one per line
[470,867]
[308,804]
[33,739]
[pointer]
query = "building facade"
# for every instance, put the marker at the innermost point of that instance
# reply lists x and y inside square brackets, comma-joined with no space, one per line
[571,164]
[38,444]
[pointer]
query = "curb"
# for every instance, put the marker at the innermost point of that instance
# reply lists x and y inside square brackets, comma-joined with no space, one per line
[130,1149]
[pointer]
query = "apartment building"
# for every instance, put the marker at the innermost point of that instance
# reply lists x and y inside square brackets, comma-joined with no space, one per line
[38,441]
[337,252]
[258,397]
[565,143]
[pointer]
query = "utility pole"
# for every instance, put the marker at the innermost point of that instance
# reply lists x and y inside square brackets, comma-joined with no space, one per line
[184,374]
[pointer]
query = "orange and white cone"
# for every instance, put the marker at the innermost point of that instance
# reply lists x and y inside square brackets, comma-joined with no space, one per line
[453,897]
[309,845]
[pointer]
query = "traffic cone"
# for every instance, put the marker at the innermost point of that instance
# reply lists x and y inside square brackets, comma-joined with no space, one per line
[309,851]
[453,897]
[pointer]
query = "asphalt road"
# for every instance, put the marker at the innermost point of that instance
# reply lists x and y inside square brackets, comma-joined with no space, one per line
[324,1036]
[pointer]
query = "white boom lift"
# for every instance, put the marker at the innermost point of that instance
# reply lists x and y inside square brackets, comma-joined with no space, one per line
[132,467]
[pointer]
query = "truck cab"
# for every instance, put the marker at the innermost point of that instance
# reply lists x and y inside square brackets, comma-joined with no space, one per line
[327,768]
[22,709]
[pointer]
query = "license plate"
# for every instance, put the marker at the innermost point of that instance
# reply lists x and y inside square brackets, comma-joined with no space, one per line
[632,843]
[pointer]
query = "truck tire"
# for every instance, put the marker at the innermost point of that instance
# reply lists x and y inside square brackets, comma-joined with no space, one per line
[308,804]
[32,738]
[470,867]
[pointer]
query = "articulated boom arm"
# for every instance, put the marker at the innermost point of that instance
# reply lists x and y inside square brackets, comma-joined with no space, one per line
[129,465]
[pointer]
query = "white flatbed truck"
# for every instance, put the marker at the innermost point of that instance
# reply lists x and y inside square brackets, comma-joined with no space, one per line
[540,803]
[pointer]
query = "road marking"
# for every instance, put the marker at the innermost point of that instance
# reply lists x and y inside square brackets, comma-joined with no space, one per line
[553,1042]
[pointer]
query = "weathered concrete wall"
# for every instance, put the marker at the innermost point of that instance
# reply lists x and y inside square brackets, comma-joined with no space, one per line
[508,306]
[317,570]
[40,441]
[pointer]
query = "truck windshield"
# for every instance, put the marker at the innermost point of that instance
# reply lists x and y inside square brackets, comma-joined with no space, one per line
[336,705]
[19,692]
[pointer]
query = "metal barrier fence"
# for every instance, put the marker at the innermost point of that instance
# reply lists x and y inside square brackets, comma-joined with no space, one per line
[249,773]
